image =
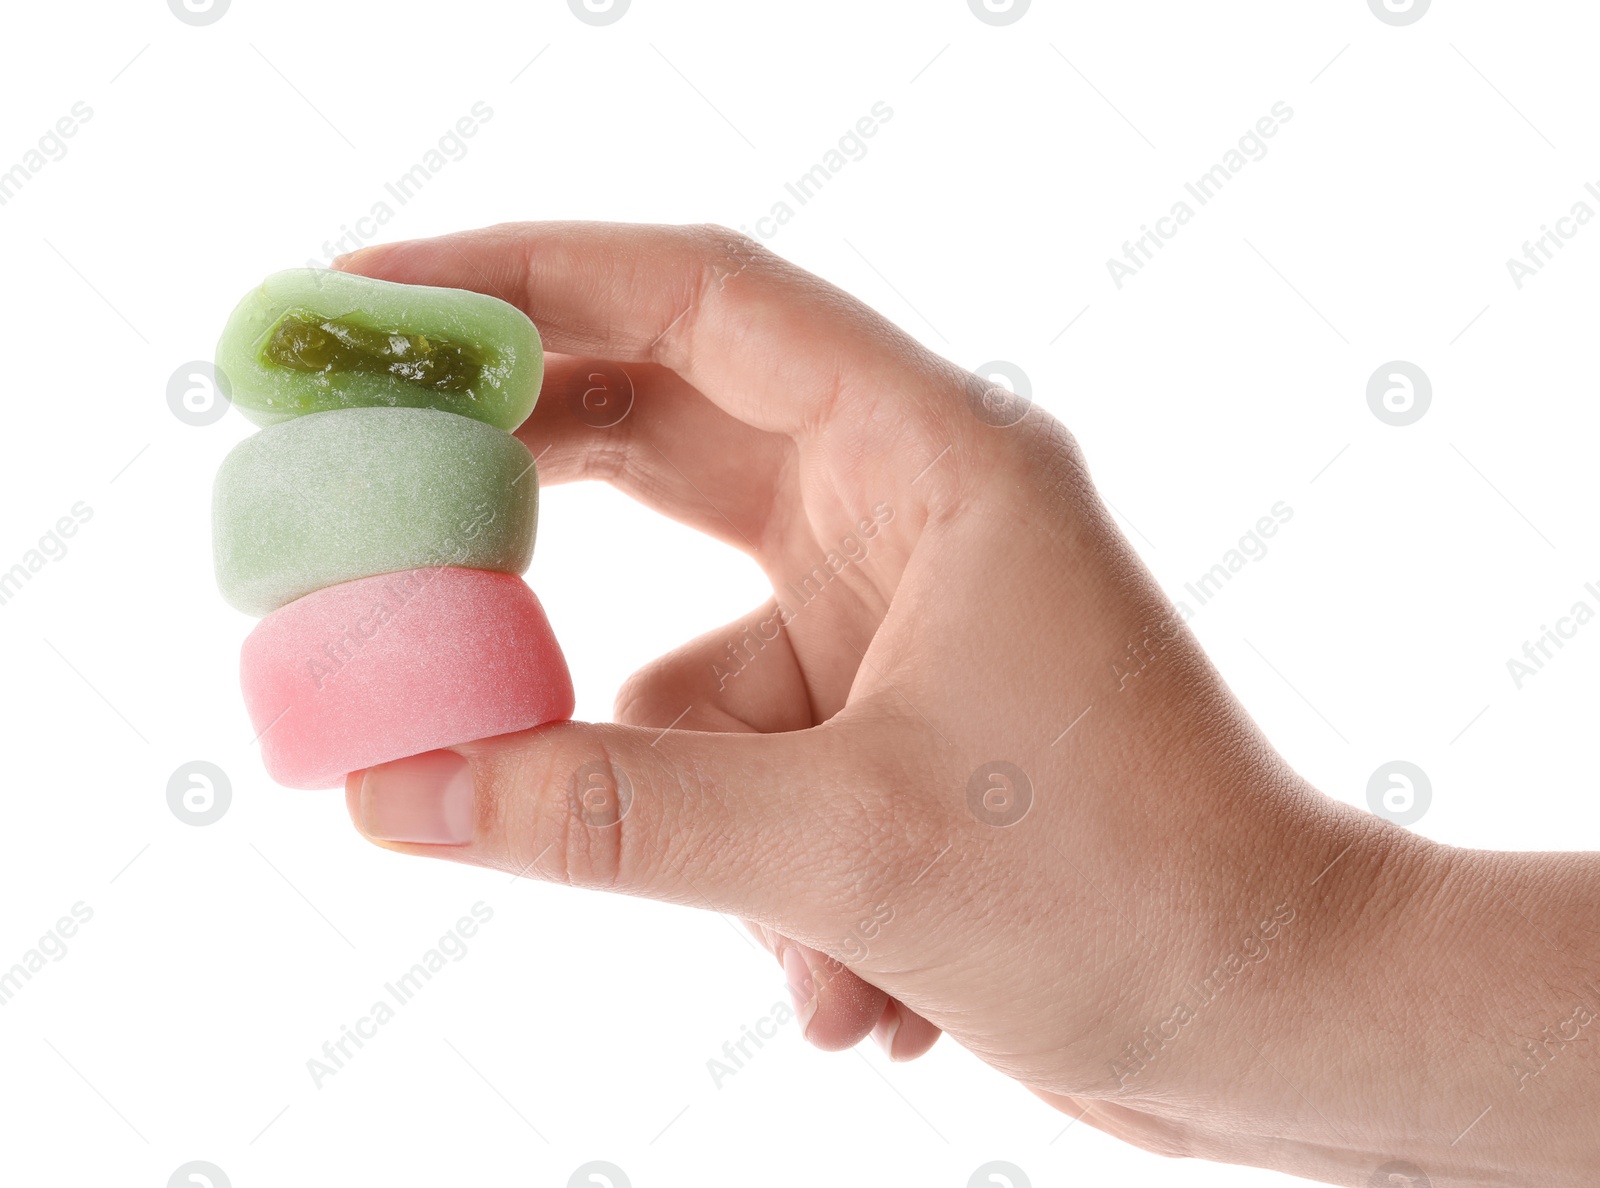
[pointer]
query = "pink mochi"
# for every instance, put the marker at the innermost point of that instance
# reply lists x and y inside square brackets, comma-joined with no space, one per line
[367,671]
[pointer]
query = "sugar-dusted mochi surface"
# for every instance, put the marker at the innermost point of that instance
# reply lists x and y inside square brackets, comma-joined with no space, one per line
[385,667]
[309,340]
[341,495]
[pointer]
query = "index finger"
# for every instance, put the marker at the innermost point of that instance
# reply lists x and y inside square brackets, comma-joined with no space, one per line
[767,341]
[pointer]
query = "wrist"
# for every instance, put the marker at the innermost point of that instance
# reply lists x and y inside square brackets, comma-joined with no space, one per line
[1425,1005]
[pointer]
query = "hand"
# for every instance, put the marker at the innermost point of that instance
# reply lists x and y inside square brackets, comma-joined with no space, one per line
[972,773]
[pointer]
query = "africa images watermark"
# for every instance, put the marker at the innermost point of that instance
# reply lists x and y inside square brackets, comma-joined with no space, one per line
[450,147]
[1536,653]
[1141,650]
[1252,146]
[52,546]
[1538,252]
[737,1053]
[337,1053]
[1252,546]
[48,149]
[796,594]
[1538,1053]
[850,147]
[52,945]
[398,590]
[1140,1053]
[853,946]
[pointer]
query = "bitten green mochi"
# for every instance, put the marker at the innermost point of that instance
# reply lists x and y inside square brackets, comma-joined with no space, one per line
[311,340]
[358,492]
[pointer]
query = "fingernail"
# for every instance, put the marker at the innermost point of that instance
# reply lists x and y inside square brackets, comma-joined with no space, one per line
[426,798]
[341,261]
[802,987]
[887,1028]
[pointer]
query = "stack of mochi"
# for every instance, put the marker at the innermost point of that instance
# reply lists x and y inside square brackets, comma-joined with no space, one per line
[380,521]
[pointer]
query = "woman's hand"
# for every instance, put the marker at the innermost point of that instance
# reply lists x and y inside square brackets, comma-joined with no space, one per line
[967,770]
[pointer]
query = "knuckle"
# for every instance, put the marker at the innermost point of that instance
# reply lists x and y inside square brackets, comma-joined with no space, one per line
[709,257]
[1051,444]
[716,239]
[724,253]
[1001,454]
[562,814]
[599,833]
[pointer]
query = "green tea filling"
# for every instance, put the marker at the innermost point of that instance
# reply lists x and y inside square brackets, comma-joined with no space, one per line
[305,342]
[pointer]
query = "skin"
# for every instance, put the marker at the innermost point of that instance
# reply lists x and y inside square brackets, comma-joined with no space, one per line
[1354,994]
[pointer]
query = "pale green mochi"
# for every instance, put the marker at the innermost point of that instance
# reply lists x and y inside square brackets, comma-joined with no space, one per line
[357,492]
[310,340]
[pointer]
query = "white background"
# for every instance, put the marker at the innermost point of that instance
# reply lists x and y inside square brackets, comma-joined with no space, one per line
[1226,376]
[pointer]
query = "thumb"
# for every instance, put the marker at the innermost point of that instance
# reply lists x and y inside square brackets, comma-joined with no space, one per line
[719,821]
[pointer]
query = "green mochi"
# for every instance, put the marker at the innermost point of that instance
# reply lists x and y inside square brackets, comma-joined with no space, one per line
[311,340]
[357,492]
